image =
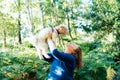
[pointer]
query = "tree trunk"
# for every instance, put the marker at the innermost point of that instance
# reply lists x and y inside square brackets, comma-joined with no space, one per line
[68,22]
[42,15]
[4,43]
[29,11]
[19,31]
[19,23]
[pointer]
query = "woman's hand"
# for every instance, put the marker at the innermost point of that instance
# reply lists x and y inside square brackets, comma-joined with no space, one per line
[49,35]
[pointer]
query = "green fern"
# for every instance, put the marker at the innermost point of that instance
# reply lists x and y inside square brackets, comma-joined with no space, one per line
[110,73]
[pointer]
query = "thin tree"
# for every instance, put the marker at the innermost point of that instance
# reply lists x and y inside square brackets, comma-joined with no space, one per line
[68,24]
[42,14]
[4,40]
[30,15]
[18,5]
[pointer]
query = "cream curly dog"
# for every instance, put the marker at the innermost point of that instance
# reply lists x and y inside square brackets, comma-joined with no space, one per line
[39,41]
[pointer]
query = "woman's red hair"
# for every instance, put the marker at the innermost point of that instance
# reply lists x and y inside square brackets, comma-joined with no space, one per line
[79,58]
[77,52]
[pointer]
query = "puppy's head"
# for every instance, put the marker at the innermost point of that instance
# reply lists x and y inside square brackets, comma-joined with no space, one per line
[62,29]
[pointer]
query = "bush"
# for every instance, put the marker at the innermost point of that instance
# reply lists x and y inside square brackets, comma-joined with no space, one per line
[22,66]
[27,44]
[95,66]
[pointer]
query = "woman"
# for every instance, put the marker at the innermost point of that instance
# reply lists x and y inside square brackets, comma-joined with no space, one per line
[63,63]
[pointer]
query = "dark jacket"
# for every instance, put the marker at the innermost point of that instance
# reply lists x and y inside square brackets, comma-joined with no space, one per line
[63,65]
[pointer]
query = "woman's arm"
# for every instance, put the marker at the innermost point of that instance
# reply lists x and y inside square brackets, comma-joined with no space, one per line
[51,44]
[57,54]
[66,57]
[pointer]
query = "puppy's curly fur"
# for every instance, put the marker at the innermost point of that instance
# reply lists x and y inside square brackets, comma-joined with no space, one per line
[39,40]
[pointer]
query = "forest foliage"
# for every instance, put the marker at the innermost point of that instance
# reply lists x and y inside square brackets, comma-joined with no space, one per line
[93,24]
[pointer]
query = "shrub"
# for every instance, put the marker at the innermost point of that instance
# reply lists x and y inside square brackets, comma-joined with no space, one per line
[95,66]
[22,66]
